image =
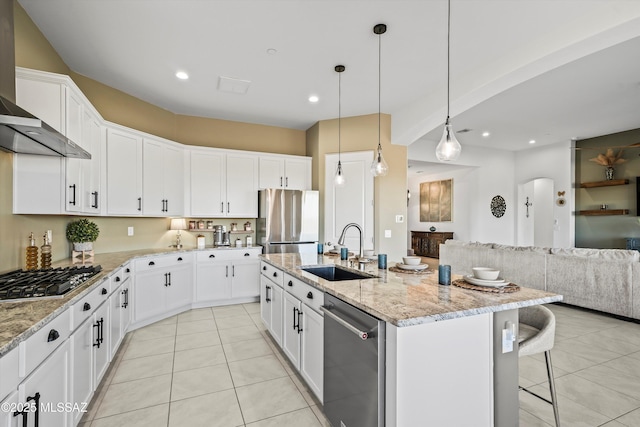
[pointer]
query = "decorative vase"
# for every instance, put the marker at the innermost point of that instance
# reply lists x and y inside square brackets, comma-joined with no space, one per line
[82,246]
[608,173]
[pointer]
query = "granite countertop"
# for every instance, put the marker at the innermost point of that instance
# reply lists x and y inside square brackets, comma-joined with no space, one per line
[407,299]
[20,320]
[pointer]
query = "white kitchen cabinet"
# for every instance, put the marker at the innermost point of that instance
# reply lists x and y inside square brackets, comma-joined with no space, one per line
[74,167]
[227,275]
[162,179]
[49,385]
[82,383]
[312,350]
[285,172]
[125,299]
[271,307]
[124,172]
[7,419]
[92,136]
[101,344]
[291,329]
[116,302]
[162,284]
[38,181]
[223,184]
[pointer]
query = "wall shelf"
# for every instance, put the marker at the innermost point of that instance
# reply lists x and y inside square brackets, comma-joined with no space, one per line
[602,212]
[608,183]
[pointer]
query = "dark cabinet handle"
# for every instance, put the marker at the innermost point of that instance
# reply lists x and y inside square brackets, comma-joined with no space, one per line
[166,279]
[53,335]
[25,412]
[264,268]
[104,291]
[310,295]
[73,202]
[86,306]
[226,271]
[169,278]
[295,309]
[127,270]
[95,199]
[212,256]
[179,258]
[286,182]
[152,263]
[100,336]
[275,274]
[266,293]
[167,205]
[247,254]
[299,314]
[228,207]
[280,181]
[290,283]
[139,203]
[125,293]
[162,210]
[117,278]
[221,207]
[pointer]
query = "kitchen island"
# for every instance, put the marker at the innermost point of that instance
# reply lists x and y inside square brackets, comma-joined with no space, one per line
[445,363]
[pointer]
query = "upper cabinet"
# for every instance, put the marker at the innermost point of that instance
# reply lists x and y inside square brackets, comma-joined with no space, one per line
[54,185]
[162,178]
[223,184]
[124,172]
[291,173]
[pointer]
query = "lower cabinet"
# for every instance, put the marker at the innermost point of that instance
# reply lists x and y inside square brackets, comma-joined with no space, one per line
[292,316]
[271,307]
[48,388]
[82,384]
[7,419]
[162,284]
[425,243]
[100,342]
[227,274]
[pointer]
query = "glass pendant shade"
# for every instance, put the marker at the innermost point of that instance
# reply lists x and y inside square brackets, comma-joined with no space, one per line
[339,178]
[448,148]
[379,166]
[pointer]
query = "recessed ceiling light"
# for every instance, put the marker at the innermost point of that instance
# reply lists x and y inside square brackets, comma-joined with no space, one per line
[272,51]
[182,75]
[532,141]
[314,98]
[485,134]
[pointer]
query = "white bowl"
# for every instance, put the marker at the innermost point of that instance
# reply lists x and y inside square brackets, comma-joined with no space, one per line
[337,248]
[411,260]
[368,252]
[485,273]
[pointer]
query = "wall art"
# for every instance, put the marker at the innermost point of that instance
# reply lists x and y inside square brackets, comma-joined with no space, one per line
[436,201]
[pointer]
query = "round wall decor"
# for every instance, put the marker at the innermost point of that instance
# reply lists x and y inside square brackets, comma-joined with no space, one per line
[498,206]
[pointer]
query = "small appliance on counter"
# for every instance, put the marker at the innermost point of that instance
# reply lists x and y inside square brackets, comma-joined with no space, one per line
[220,236]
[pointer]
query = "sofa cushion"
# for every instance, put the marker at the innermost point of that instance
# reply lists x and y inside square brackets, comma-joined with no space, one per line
[605,254]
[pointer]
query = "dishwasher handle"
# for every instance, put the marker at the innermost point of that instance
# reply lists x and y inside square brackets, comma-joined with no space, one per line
[362,334]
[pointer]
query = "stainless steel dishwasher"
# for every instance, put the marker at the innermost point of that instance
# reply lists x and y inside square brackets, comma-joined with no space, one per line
[354,349]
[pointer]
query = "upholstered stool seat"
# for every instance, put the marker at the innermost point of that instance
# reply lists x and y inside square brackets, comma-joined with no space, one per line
[536,334]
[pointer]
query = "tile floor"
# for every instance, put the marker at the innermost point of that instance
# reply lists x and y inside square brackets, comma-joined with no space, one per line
[218,367]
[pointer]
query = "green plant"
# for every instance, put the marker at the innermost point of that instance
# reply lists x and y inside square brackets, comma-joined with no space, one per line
[82,230]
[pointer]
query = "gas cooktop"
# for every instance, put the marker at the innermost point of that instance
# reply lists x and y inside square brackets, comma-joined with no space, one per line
[21,285]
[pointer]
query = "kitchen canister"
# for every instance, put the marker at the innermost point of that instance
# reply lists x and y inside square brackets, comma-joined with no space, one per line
[249,241]
[238,243]
[200,241]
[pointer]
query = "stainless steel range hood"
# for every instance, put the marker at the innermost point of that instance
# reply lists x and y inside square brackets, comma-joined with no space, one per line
[21,132]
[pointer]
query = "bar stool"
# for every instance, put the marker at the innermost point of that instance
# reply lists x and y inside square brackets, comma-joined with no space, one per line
[536,333]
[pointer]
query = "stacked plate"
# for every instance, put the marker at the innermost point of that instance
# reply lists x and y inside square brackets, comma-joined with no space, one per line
[418,267]
[498,283]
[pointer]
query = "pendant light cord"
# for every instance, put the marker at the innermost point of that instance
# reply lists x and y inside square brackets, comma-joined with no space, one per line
[339,113]
[379,90]
[448,53]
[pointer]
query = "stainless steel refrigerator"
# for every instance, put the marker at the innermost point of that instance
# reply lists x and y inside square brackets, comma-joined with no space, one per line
[287,220]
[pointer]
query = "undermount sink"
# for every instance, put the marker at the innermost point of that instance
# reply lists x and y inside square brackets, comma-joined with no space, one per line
[334,273]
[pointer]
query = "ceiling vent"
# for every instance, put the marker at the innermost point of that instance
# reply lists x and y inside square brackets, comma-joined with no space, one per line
[231,85]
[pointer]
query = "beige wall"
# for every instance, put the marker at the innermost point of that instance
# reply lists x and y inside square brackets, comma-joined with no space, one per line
[34,51]
[390,192]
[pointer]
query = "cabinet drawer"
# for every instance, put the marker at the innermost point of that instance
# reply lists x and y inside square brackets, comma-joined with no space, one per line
[41,344]
[274,274]
[81,310]
[126,272]
[9,379]
[228,254]
[306,293]
[160,262]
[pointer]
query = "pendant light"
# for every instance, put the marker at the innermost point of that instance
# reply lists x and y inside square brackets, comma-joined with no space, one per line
[379,166]
[448,148]
[339,178]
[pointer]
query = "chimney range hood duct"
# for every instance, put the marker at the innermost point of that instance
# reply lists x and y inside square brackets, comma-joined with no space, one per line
[21,132]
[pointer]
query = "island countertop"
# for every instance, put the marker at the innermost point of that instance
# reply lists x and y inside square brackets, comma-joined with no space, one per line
[405,299]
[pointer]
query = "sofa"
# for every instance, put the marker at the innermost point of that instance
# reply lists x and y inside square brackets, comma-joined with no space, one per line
[606,280]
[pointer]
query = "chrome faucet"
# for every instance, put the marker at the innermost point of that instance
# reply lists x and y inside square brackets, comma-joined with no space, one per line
[344,232]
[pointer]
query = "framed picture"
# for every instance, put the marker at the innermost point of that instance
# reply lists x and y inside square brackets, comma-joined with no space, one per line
[436,201]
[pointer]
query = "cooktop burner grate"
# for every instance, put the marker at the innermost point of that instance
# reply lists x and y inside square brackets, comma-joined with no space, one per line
[19,285]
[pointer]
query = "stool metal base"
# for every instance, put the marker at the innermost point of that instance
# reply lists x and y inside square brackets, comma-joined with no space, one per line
[552,389]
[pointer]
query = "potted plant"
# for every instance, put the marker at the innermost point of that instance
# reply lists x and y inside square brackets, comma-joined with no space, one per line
[82,233]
